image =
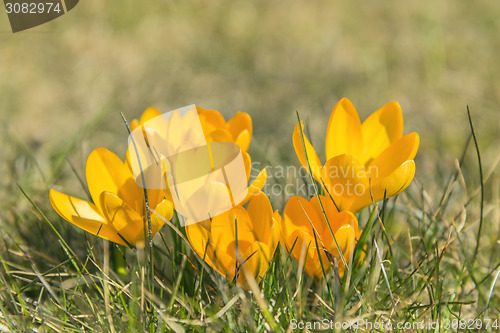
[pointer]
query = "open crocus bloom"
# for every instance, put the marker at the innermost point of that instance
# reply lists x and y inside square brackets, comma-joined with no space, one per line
[198,158]
[305,229]
[239,239]
[237,130]
[365,162]
[118,213]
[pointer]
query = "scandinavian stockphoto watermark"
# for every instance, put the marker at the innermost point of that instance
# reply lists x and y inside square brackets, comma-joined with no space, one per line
[343,180]
[26,14]
[170,152]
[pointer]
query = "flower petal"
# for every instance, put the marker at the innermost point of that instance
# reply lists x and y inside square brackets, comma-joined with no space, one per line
[276,232]
[165,209]
[396,182]
[149,114]
[210,120]
[84,215]
[199,237]
[200,201]
[390,186]
[256,186]
[239,123]
[219,135]
[128,223]
[232,237]
[261,216]
[300,214]
[314,161]
[312,263]
[380,130]
[248,164]
[255,261]
[330,211]
[345,237]
[343,135]
[243,140]
[232,226]
[106,172]
[134,124]
[396,154]
[175,134]
[345,180]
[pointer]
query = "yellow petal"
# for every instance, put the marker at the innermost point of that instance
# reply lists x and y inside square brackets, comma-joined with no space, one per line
[239,123]
[243,140]
[127,222]
[166,210]
[106,172]
[343,135]
[232,237]
[301,214]
[224,263]
[199,237]
[149,114]
[276,230]
[345,237]
[219,135]
[348,217]
[200,202]
[345,180]
[175,132]
[155,197]
[256,186]
[260,212]
[306,242]
[330,211]
[314,161]
[232,226]
[396,154]
[211,120]
[134,124]
[391,185]
[248,164]
[191,118]
[84,215]
[255,262]
[381,129]
[340,219]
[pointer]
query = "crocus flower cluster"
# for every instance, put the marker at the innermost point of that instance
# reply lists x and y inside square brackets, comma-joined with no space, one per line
[365,163]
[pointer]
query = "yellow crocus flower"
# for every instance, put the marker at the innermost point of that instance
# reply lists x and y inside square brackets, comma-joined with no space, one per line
[307,235]
[189,147]
[237,130]
[239,239]
[118,213]
[364,161]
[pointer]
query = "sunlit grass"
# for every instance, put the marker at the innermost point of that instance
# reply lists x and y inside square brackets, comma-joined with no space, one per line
[420,264]
[269,61]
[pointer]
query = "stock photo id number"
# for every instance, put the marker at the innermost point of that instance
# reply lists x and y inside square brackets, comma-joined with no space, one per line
[26,14]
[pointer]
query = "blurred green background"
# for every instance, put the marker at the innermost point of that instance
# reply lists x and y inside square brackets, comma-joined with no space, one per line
[63,84]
